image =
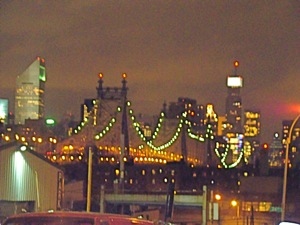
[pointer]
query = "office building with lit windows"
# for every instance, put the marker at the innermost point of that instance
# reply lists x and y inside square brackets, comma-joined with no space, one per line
[251,131]
[198,115]
[294,146]
[86,108]
[276,151]
[233,105]
[233,129]
[30,92]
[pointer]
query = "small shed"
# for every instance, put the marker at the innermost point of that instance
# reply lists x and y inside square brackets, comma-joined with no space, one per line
[28,181]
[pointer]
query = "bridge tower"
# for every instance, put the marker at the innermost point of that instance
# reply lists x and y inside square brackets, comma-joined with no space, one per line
[118,95]
[183,144]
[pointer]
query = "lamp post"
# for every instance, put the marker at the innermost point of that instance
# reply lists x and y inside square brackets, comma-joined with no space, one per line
[288,141]
[218,198]
[235,203]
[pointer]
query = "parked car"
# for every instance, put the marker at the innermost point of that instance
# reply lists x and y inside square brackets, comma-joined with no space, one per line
[288,223]
[73,218]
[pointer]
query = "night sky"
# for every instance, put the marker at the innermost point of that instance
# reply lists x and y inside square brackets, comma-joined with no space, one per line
[168,48]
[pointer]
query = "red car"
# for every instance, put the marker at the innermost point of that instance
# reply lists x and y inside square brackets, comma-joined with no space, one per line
[73,218]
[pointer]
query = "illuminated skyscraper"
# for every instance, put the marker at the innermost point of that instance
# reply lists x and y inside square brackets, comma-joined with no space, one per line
[30,92]
[234,103]
[233,129]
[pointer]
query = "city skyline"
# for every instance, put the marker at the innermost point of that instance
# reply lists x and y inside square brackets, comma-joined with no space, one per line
[168,49]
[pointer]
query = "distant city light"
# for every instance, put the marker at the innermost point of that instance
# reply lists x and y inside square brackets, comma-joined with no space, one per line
[50,121]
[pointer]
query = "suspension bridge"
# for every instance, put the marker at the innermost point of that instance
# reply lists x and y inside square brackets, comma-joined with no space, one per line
[113,129]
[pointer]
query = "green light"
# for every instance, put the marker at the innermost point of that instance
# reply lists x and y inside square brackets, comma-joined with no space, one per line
[50,121]
[42,75]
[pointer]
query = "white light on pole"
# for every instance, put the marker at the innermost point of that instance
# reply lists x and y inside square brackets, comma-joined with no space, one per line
[288,141]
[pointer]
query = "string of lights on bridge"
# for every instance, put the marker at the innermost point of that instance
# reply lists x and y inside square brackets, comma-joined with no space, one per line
[182,119]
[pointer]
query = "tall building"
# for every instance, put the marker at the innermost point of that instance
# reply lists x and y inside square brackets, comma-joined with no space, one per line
[252,124]
[182,105]
[233,105]
[221,125]
[233,130]
[200,125]
[251,132]
[3,111]
[276,152]
[86,108]
[212,118]
[198,115]
[294,145]
[30,92]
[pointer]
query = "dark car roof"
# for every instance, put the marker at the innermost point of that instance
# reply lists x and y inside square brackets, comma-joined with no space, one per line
[69,214]
[83,215]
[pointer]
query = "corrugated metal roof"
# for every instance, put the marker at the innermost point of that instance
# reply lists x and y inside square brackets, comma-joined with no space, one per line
[17,145]
[27,176]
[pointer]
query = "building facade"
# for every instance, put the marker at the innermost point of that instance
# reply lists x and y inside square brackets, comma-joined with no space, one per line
[252,131]
[3,111]
[294,146]
[30,92]
[276,152]
[29,182]
[233,127]
[233,105]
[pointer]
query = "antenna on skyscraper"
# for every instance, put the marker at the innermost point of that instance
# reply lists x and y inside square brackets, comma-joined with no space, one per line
[236,64]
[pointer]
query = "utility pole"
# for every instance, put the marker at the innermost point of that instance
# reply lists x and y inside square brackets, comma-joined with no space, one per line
[170,201]
[252,216]
[89,183]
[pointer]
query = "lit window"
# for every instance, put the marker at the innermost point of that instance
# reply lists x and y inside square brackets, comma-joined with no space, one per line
[143,172]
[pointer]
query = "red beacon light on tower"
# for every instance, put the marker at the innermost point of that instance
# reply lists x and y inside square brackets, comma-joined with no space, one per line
[40,59]
[100,75]
[124,75]
[236,64]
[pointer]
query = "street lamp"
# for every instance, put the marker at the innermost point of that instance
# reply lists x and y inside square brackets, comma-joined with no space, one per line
[218,197]
[288,141]
[235,203]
